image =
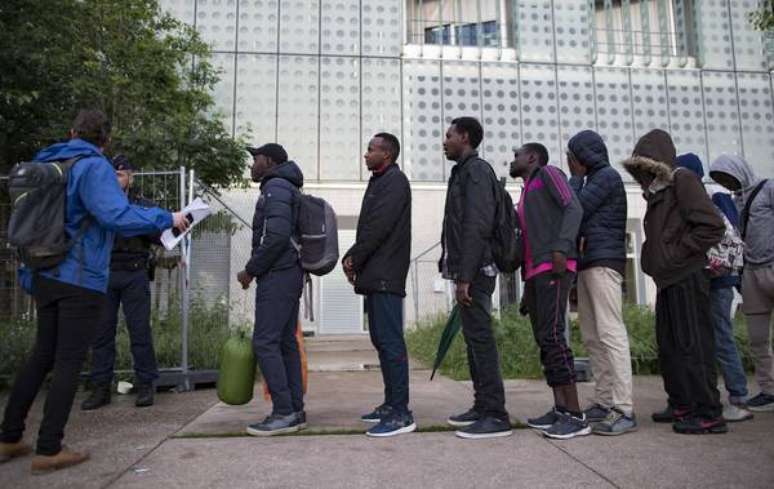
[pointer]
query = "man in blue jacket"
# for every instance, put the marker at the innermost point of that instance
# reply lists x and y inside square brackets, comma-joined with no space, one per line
[70,298]
[601,268]
[276,267]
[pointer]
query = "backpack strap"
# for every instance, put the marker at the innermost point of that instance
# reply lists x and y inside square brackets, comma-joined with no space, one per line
[745,217]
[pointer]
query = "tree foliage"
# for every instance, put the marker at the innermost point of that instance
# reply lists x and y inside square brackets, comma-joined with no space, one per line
[148,71]
[763,18]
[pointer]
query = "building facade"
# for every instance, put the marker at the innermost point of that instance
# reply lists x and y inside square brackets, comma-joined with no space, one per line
[322,76]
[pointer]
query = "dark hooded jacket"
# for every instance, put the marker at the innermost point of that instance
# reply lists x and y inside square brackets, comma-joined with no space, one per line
[602,235]
[274,221]
[681,223]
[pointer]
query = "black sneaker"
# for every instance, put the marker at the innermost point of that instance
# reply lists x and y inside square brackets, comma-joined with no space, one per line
[761,403]
[144,395]
[669,415]
[465,419]
[100,396]
[301,415]
[486,427]
[392,425]
[377,414]
[544,422]
[698,425]
[275,424]
[568,426]
[596,413]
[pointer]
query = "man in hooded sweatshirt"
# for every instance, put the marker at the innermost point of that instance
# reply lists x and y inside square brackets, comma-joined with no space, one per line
[681,225]
[722,284]
[70,298]
[755,201]
[601,268]
[276,267]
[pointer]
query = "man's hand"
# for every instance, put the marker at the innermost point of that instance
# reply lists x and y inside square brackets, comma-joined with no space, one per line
[180,222]
[576,169]
[349,271]
[244,278]
[463,293]
[560,264]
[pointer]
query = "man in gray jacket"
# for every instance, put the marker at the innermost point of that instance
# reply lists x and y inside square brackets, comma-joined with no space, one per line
[755,200]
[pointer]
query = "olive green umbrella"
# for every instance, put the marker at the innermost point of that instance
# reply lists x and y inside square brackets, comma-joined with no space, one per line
[453,325]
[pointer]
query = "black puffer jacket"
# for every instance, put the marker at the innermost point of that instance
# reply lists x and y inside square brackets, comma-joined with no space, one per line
[130,254]
[382,249]
[274,222]
[468,221]
[603,197]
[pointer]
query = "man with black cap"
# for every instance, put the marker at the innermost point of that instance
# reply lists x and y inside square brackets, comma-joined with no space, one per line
[274,264]
[128,286]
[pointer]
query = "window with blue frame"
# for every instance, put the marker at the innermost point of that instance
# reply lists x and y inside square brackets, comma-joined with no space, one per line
[464,35]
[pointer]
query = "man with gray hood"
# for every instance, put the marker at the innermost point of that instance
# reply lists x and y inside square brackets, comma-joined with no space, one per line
[755,200]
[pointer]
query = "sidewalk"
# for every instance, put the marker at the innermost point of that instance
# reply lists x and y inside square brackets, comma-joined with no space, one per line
[192,441]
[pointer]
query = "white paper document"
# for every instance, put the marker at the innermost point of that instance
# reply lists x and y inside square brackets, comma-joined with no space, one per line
[196,211]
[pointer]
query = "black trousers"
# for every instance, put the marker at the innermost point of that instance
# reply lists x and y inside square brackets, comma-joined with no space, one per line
[68,316]
[131,289]
[274,337]
[686,346]
[385,325]
[546,299]
[483,359]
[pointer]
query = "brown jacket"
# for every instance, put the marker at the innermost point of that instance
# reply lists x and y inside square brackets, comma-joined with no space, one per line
[681,222]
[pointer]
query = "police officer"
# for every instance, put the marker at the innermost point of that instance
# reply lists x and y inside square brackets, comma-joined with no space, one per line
[130,274]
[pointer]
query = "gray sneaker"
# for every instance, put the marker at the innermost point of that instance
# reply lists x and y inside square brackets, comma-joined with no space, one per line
[275,424]
[616,423]
[734,413]
[568,426]
[596,413]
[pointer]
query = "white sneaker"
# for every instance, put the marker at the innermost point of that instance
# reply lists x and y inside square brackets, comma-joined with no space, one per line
[733,413]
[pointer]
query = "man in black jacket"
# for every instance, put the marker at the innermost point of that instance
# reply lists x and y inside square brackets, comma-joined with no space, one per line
[377,264]
[129,287]
[275,265]
[468,224]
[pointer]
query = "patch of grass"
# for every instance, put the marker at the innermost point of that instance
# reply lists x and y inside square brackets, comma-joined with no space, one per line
[519,355]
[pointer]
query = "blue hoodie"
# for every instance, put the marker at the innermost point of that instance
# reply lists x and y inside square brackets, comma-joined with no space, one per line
[93,191]
[723,202]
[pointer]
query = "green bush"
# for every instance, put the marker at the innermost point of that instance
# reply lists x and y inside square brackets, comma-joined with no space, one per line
[519,355]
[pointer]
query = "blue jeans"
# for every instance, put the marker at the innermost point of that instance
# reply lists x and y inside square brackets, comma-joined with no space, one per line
[385,325]
[725,345]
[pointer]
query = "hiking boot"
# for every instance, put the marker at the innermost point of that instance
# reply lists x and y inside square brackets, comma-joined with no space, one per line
[734,413]
[669,415]
[392,425]
[275,424]
[699,425]
[761,403]
[377,414]
[13,450]
[486,427]
[65,458]
[568,426]
[464,419]
[144,395]
[543,422]
[100,396]
[616,423]
[596,413]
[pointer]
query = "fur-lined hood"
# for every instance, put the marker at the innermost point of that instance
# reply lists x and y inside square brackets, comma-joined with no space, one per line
[653,158]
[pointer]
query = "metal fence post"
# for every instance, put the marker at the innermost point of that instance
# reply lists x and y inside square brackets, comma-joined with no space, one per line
[185,383]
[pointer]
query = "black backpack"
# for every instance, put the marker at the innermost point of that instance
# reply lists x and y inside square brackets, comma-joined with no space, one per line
[506,236]
[37,226]
[317,234]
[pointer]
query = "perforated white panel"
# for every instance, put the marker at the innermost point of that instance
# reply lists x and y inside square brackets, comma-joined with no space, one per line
[258,22]
[649,101]
[300,26]
[722,113]
[501,114]
[256,102]
[340,145]
[461,95]
[422,126]
[381,93]
[614,113]
[572,29]
[535,30]
[714,28]
[224,90]
[757,122]
[576,103]
[382,29]
[216,22]
[539,116]
[686,116]
[182,10]
[297,111]
[340,27]
[748,43]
